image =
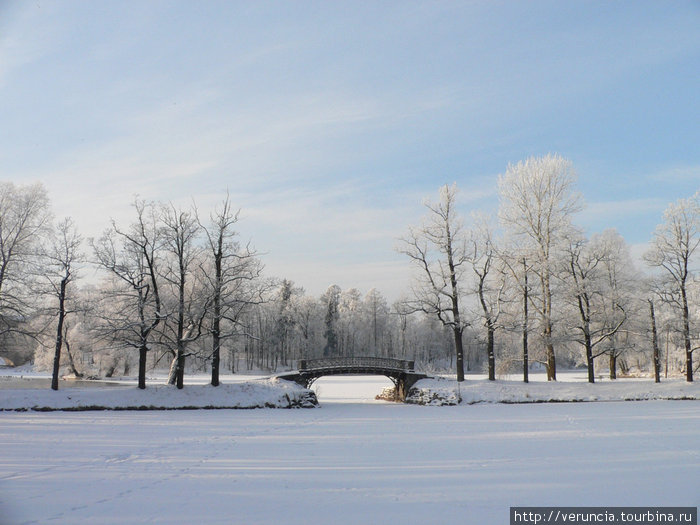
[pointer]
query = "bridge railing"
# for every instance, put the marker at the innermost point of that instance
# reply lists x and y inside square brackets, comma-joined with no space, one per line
[325,363]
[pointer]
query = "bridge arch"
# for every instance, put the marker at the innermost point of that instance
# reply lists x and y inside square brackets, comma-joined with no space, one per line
[401,372]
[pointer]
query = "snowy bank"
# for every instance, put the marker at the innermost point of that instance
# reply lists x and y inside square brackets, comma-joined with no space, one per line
[269,393]
[441,391]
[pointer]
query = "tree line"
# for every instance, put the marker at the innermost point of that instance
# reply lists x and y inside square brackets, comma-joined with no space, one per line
[523,288]
[531,273]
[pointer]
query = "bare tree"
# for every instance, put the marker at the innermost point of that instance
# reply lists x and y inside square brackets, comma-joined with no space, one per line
[25,221]
[673,248]
[620,290]
[231,285]
[438,250]
[490,285]
[537,201]
[179,231]
[585,265]
[61,259]
[130,258]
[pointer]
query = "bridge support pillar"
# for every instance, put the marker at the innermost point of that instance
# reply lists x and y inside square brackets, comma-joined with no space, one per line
[403,384]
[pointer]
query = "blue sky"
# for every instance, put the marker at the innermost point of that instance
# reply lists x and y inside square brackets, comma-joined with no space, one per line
[329,122]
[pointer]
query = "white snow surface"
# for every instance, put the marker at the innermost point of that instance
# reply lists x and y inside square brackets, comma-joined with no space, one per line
[270,393]
[354,460]
[241,391]
[441,391]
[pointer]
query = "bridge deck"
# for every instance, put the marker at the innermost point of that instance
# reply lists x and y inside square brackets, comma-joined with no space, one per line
[361,364]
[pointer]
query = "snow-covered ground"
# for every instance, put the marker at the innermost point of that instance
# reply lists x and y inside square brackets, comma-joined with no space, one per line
[21,390]
[28,390]
[261,393]
[354,460]
[443,391]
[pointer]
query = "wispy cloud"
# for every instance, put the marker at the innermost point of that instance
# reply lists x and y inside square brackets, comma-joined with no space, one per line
[329,124]
[621,208]
[18,49]
[676,174]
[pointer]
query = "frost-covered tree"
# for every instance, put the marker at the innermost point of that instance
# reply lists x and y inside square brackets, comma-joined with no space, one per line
[308,313]
[350,322]
[375,314]
[673,248]
[593,280]
[25,223]
[621,304]
[131,297]
[330,301]
[61,259]
[489,284]
[232,279]
[537,200]
[285,321]
[438,251]
[187,302]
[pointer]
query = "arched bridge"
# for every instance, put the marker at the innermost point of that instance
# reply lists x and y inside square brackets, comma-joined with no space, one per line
[400,371]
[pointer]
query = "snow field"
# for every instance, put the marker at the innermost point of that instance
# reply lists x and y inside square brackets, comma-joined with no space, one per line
[349,462]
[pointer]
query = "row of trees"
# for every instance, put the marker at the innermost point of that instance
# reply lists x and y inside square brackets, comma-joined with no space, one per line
[534,265]
[167,279]
[526,288]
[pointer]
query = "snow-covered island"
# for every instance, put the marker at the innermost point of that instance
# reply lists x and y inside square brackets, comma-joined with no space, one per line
[440,391]
[260,393]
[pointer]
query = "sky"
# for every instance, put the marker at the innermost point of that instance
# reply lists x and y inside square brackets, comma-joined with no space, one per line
[329,123]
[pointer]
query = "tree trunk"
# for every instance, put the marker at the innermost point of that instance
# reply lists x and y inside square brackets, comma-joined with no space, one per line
[668,337]
[216,355]
[491,353]
[526,364]
[686,336]
[613,364]
[172,372]
[216,341]
[180,367]
[71,361]
[459,347]
[143,355]
[655,344]
[216,325]
[547,332]
[180,356]
[589,356]
[143,348]
[551,359]
[59,334]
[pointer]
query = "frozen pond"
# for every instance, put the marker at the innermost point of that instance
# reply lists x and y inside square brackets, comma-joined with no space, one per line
[352,461]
